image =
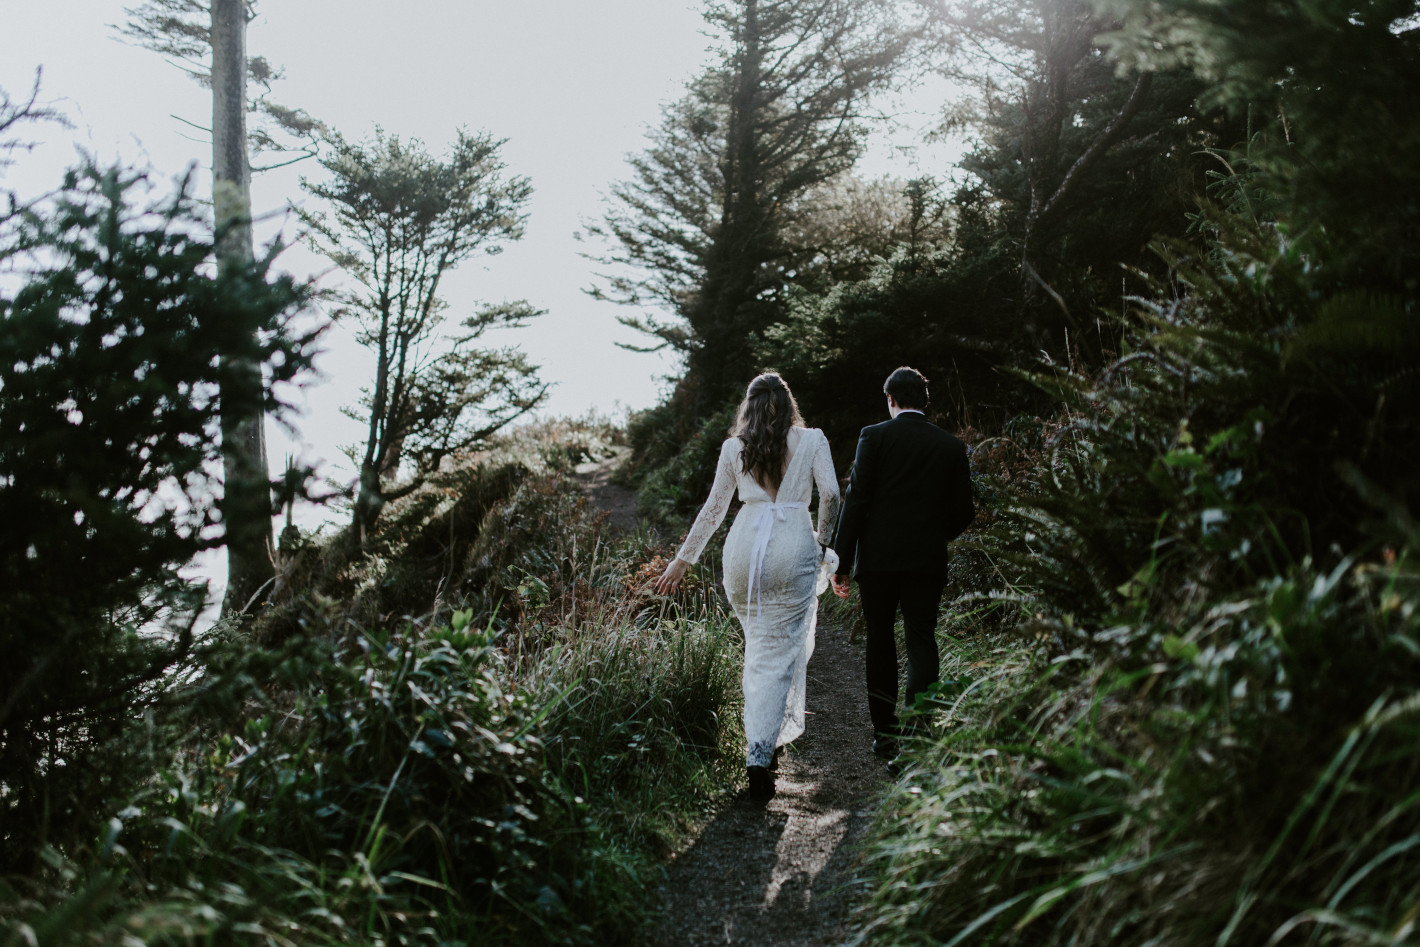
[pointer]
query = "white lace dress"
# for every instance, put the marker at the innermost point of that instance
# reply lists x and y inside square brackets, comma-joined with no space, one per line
[774,572]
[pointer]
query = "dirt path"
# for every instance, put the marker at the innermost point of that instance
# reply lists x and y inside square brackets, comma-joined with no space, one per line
[779,874]
[618,502]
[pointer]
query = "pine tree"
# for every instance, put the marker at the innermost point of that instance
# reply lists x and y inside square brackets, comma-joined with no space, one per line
[209,38]
[702,230]
[400,219]
[110,397]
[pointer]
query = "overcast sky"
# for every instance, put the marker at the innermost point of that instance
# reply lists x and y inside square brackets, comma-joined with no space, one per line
[572,85]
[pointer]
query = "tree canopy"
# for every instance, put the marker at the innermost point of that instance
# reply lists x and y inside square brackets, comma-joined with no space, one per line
[398,220]
[181,31]
[703,230]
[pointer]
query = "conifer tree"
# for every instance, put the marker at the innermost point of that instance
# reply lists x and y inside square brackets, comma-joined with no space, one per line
[399,220]
[208,38]
[1054,117]
[701,230]
[111,392]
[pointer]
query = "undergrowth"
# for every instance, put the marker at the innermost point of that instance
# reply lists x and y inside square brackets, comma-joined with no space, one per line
[484,727]
[1199,719]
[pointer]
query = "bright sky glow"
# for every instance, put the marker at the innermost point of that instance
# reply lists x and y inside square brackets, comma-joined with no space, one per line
[571,85]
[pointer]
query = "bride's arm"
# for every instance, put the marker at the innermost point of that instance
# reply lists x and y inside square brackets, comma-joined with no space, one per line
[711,515]
[827,481]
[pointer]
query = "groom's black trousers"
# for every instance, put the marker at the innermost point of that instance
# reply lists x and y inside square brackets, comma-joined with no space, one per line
[918,595]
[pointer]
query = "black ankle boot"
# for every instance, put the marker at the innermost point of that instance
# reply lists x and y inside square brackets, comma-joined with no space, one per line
[761,783]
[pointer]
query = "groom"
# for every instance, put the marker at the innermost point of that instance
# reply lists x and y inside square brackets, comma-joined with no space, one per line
[908,496]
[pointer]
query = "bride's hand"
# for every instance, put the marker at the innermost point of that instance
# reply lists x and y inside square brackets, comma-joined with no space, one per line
[670,579]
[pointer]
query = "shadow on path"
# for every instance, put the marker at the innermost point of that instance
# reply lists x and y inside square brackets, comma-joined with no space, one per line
[781,874]
[616,501]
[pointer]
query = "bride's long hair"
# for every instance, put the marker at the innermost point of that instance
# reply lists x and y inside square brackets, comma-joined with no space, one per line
[763,423]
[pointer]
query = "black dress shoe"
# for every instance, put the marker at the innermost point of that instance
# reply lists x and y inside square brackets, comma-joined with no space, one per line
[761,783]
[885,748]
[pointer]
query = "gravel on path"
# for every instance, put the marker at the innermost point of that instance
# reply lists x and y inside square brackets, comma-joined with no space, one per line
[781,874]
[777,874]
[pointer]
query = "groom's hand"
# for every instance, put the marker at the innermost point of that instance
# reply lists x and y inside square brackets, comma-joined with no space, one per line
[840,586]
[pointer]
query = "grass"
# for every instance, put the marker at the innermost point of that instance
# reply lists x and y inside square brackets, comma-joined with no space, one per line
[647,724]
[1182,725]
[1057,807]
[508,766]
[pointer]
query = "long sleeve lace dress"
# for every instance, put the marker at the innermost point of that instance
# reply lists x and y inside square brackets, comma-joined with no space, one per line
[772,564]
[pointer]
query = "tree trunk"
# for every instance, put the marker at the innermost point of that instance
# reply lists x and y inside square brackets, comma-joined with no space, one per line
[246,507]
[369,502]
[728,311]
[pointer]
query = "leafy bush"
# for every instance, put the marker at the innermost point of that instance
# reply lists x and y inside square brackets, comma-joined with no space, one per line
[488,775]
[680,484]
[398,793]
[1072,801]
[655,434]
[1203,725]
[114,347]
[836,348]
[412,758]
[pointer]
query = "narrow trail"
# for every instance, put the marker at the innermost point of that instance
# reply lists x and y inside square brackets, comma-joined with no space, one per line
[778,874]
[781,874]
[618,502]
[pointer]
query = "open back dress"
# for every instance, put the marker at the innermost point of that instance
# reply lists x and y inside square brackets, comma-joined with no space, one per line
[775,568]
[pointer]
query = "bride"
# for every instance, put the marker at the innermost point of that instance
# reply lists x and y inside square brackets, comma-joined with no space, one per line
[773,561]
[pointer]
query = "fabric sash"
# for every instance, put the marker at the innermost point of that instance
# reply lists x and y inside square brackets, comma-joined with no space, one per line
[769,514]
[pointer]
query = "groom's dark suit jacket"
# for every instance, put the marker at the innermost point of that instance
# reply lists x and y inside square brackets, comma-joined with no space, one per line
[909,495]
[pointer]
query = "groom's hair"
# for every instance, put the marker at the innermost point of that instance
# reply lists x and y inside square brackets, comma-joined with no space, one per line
[907,387]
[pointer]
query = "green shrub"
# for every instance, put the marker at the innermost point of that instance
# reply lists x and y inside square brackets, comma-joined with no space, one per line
[656,434]
[936,308]
[507,775]
[1201,725]
[401,794]
[1078,802]
[679,485]
[114,346]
